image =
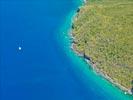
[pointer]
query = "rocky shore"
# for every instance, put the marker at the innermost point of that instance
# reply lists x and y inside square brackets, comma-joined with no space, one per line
[94,64]
[99,72]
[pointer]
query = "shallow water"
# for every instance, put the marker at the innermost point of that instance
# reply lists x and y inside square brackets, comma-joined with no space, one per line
[45,68]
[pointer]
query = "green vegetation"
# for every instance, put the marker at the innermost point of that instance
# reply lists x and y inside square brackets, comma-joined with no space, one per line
[103,30]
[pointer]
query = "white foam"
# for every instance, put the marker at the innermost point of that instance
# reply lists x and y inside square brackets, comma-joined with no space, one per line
[19,48]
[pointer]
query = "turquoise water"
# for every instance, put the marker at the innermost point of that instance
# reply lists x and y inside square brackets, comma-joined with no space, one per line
[45,68]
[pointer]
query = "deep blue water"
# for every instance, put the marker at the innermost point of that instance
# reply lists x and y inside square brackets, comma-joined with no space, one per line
[41,70]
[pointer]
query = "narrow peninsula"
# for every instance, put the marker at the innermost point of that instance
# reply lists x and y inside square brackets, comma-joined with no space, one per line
[103,34]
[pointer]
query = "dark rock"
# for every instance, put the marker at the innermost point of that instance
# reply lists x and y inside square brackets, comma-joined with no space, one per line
[132,90]
[78,10]
[86,57]
[132,87]
[72,26]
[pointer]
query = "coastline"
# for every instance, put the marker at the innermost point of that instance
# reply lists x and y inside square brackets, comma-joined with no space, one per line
[90,62]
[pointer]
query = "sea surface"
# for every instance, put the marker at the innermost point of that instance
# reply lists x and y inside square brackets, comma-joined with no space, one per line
[36,61]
